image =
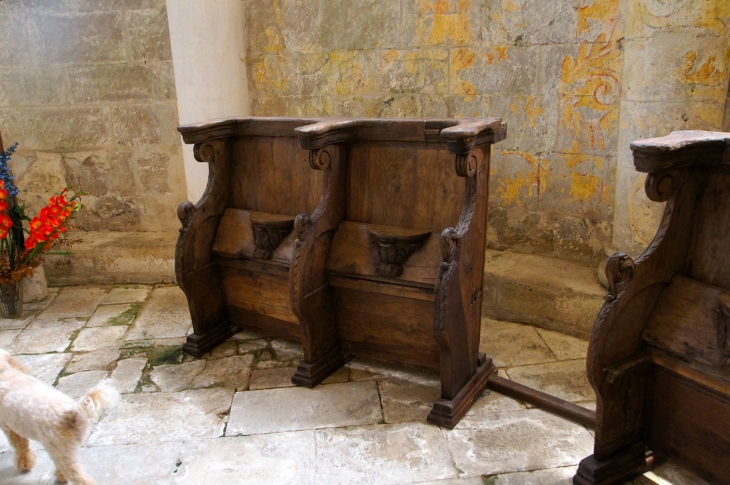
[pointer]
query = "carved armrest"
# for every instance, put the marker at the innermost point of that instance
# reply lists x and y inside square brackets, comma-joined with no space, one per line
[208,130]
[468,134]
[326,132]
[681,149]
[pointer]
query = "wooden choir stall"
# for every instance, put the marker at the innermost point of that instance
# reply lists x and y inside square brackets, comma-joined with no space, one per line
[352,236]
[659,355]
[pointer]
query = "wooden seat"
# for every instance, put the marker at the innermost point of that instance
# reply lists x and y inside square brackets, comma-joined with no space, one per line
[659,356]
[388,263]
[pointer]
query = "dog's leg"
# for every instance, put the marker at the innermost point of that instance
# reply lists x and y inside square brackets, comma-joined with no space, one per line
[24,456]
[67,463]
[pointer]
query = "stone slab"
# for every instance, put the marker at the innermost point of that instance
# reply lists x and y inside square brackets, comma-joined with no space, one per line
[40,305]
[15,323]
[45,367]
[138,464]
[165,315]
[368,370]
[45,335]
[271,378]
[97,360]
[490,402]
[565,347]
[133,294]
[281,377]
[233,372]
[294,409]
[550,476]
[565,380]
[405,401]
[511,344]
[518,441]
[127,374]
[75,302]
[387,454]
[551,293]
[160,417]
[253,460]
[287,350]
[176,377]
[7,337]
[252,346]
[117,314]
[99,338]
[79,384]
[669,474]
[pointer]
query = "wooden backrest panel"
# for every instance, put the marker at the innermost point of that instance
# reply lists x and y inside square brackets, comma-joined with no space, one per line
[710,249]
[403,184]
[271,174]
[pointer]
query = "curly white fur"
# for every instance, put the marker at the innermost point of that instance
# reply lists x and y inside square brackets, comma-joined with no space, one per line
[32,409]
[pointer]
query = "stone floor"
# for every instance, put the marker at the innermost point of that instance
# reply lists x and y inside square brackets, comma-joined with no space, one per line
[234,417]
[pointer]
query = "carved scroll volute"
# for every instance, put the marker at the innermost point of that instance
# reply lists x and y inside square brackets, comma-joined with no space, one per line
[466,164]
[211,204]
[619,273]
[325,218]
[660,186]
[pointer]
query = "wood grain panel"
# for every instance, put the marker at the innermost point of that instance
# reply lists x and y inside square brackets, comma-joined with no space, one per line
[271,174]
[263,293]
[385,178]
[687,322]
[384,322]
[710,253]
[690,424]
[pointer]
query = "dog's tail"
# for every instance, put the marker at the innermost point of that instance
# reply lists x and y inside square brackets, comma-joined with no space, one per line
[99,399]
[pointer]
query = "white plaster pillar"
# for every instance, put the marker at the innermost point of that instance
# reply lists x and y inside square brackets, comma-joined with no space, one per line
[208,41]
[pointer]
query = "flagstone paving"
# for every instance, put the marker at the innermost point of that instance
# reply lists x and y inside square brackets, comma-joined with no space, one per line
[234,416]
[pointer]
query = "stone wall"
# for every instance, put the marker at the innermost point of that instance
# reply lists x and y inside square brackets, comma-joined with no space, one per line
[555,70]
[675,77]
[87,88]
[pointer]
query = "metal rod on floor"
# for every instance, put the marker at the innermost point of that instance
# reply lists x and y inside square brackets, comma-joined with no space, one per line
[562,408]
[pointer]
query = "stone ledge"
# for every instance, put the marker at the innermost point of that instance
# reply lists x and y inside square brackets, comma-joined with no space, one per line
[546,292]
[115,257]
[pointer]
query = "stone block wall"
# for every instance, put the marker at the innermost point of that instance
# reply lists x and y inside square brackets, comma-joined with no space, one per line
[87,88]
[555,70]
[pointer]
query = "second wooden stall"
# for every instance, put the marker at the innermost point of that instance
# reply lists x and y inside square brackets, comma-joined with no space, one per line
[387,264]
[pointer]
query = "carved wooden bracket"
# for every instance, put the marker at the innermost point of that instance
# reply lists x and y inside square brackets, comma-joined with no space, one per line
[268,232]
[394,245]
[619,273]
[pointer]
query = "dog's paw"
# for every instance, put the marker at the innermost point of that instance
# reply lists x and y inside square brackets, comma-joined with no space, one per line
[25,461]
[60,478]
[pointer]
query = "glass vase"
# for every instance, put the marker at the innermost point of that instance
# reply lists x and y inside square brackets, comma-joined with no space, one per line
[11,298]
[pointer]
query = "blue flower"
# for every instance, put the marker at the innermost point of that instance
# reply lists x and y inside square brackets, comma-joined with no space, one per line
[5,171]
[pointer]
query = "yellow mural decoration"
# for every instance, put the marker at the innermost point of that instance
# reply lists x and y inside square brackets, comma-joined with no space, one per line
[510,187]
[437,26]
[709,73]
[592,78]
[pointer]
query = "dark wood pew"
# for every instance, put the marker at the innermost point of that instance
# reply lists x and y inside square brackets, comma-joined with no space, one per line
[659,355]
[367,240]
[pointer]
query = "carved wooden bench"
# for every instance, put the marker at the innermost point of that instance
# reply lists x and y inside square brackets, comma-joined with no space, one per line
[659,356]
[368,239]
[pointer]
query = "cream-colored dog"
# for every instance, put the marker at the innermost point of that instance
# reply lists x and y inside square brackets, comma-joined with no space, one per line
[30,408]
